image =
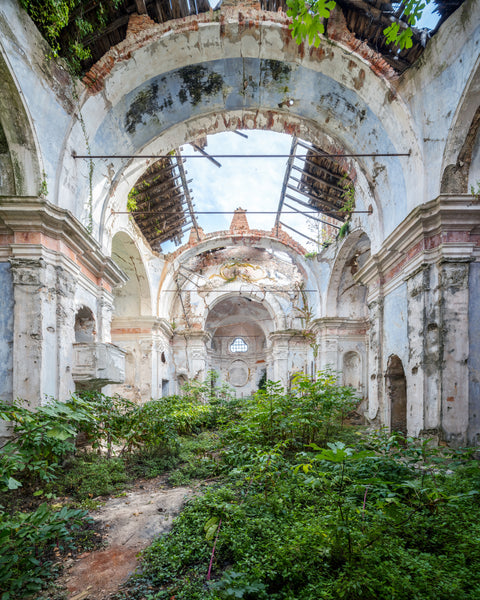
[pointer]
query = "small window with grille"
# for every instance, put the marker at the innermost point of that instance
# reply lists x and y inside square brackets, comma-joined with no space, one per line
[238,345]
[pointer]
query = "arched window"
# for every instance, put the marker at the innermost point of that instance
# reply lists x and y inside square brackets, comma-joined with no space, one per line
[238,345]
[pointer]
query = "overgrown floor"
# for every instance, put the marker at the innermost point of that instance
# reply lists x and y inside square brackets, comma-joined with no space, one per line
[131,521]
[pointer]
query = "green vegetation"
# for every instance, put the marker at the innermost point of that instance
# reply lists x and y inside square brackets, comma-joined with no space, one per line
[308,21]
[298,504]
[46,482]
[305,508]
[52,17]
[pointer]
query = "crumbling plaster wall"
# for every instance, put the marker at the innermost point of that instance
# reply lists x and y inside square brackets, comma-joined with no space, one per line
[46,90]
[6,332]
[436,91]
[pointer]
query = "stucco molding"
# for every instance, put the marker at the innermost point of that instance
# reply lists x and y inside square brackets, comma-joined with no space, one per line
[446,228]
[29,222]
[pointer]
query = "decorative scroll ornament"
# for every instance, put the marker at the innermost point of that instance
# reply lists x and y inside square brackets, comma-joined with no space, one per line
[233,271]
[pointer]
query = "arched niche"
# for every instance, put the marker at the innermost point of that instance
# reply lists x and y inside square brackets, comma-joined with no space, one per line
[463,145]
[347,298]
[396,389]
[352,370]
[133,299]
[85,326]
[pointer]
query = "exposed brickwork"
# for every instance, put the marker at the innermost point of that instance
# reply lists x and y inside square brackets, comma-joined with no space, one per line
[142,31]
[248,238]
[239,222]
[337,30]
[138,23]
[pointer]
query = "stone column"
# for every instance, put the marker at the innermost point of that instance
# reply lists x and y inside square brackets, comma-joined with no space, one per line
[197,359]
[104,316]
[423,370]
[65,326]
[34,322]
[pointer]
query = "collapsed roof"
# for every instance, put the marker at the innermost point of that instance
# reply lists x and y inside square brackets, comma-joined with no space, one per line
[366,19]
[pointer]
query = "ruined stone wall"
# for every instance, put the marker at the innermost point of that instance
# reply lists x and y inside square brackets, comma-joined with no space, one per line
[6,332]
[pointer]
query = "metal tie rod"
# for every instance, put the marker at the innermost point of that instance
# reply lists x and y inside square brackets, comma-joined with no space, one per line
[213,156]
[161,212]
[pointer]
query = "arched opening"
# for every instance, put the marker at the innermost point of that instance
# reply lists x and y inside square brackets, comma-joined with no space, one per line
[396,388]
[238,349]
[346,296]
[132,321]
[132,299]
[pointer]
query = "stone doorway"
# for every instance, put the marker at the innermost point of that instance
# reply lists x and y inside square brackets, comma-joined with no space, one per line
[396,385]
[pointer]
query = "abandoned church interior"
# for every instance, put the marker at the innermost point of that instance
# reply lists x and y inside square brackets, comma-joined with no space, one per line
[110,280]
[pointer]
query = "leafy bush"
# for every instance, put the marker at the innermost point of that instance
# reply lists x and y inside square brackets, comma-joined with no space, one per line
[92,475]
[28,542]
[312,411]
[300,517]
[40,439]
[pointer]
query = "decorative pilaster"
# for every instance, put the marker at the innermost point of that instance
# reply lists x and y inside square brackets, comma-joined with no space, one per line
[279,341]
[376,404]
[65,334]
[453,281]
[33,322]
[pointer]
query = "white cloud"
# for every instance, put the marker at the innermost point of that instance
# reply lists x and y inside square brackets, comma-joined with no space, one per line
[254,184]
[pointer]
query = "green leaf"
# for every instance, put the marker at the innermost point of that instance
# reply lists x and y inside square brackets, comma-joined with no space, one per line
[211,527]
[59,433]
[13,484]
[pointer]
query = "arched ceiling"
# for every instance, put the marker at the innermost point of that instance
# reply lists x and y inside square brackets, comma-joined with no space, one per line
[132,299]
[240,314]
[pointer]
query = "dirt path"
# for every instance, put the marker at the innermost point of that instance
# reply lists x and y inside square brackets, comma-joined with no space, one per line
[132,521]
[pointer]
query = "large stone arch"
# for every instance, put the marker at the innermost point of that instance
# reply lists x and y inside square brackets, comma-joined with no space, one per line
[463,140]
[218,70]
[351,257]
[127,256]
[239,327]
[165,298]
[19,156]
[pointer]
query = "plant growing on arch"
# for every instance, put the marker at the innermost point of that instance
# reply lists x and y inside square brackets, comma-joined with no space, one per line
[308,21]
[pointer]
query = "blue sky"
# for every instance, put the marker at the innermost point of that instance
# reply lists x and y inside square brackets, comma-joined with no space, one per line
[252,184]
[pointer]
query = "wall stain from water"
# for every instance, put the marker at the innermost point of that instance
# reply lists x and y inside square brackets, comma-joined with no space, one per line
[198,82]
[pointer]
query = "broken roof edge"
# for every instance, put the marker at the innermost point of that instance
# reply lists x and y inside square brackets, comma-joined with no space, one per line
[148,32]
[234,237]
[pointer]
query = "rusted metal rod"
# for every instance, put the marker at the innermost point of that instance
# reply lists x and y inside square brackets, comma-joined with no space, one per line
[300,233]
[207,155]
[301,212]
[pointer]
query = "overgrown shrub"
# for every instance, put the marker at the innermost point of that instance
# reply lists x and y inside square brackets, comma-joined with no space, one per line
[29,542]
[301,517]
[313,411]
